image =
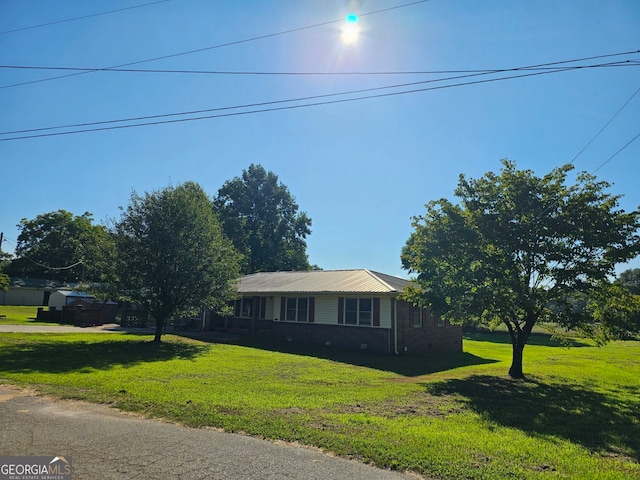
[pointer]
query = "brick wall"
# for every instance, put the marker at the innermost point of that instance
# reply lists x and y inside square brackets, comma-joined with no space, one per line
[371,339]
[430,337]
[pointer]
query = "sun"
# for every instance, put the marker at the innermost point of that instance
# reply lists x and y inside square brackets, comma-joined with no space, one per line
[351,29]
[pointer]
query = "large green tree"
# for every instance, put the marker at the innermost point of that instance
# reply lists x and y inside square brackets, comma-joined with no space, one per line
[4,278]
[522,249]
[630,278]
[62,246]
[261,217]
[172,254]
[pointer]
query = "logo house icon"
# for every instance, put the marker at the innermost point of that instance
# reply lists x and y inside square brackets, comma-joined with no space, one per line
[60,466]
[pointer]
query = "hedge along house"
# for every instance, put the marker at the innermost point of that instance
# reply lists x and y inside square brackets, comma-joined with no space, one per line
[353,309]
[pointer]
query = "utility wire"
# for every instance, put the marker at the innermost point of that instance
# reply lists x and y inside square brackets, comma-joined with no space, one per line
[82,17]
[212,47]
[289,107]
[48,267]
[315,97]
[235,72]
[548,209]
[603,128]
[266,73]
[616,154]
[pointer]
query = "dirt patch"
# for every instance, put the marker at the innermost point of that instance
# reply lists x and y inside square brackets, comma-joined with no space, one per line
[423,405]
[8,392]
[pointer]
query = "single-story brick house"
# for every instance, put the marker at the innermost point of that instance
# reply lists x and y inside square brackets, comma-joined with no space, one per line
[355,309]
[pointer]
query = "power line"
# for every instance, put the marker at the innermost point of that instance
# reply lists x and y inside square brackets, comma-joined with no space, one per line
[271,73]
[82,17]
[602,130]
[616,154]
[289,107]
[48,267]
[212,47]
[235,72]
[316,97]
[548,209]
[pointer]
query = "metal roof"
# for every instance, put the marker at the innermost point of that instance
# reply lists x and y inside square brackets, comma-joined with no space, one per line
[19,282]
[74,293]
[321,281]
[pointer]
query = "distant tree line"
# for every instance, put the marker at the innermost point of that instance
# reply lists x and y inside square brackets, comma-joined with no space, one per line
[175,250]
[515,249]
[256,212]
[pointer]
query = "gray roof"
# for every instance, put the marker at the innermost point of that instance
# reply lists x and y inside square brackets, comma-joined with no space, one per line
[321,281]
[73,293]
[19,282]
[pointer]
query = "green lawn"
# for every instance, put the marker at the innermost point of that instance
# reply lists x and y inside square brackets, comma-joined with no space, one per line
[20,315]
[445,415]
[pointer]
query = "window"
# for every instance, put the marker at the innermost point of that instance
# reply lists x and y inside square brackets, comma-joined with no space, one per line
[366,311]
[351,311]
[358,311]
[263,308]
[244,307]
[416,314]
[297,309]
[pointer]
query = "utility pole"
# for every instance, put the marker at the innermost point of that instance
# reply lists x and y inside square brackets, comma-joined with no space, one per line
[1,238]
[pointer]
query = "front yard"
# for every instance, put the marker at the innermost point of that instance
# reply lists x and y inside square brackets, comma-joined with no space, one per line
[446,416]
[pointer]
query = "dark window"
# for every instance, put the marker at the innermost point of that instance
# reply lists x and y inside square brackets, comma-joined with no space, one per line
[366,311]
[297,309]
[351,311]
[244,307]
[416,314]
[291,309]
[263,308]
[303,309]
[358,311]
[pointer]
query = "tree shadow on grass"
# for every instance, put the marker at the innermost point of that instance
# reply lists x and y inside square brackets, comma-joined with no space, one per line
[540,339]
[406,365]
[589,418]
[65,357]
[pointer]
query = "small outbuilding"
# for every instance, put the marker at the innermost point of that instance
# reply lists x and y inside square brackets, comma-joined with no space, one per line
[64,298]
[30,291]
[78,308]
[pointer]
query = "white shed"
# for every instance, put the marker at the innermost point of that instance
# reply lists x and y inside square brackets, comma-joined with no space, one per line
[63,298]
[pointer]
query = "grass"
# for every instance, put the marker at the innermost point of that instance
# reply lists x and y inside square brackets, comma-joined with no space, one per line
[20,315]
[443,415]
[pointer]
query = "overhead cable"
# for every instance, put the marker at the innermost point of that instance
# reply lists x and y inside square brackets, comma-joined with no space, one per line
[212,47]
[48,267]
[315,97]
[616,154]
[285,73]
[289,107]
[82,17]
[603,129]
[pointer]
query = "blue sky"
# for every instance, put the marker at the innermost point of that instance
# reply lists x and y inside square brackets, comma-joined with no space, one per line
[360,169]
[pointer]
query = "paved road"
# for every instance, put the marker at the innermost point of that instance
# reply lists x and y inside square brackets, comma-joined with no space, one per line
[211,336]
[35,328]
[105,444]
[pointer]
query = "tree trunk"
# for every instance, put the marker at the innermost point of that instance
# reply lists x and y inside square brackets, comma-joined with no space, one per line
[516,360]
[160,321]
[519,337]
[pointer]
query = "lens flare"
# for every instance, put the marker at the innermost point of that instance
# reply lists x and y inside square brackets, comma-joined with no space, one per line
[351,29]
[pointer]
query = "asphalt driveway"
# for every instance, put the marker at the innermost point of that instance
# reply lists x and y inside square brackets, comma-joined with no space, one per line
[36,328]
[105,443]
